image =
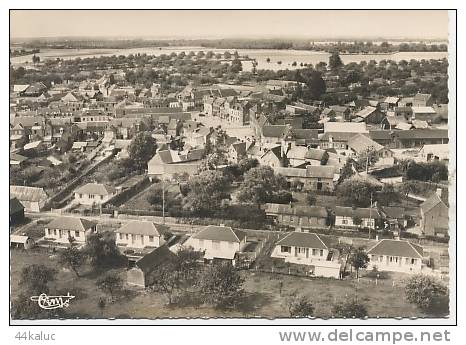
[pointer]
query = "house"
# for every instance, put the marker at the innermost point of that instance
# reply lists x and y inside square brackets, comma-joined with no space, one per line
[61,229]
[423,113]
[396,256]
[419,137]
[308,249]
[394,217]
[350,217]
[273,134]
[17,160]
[32,198]
[434,216]
[370,115]
[321,178]
[218,242]
[140,274]
[299,155]
[436,152]
[301,218]
[345,127]
[141,234]
[422,100]
[94,194]
[16,211]
[272,157]
[167,163]
[237,151]
[341,111]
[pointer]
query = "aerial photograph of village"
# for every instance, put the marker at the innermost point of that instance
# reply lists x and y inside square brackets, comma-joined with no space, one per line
[281,169]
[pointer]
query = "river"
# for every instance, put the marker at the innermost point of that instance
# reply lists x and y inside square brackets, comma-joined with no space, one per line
[286,57]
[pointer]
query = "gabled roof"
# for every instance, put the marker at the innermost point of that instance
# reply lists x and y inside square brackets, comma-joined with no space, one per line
[431,202]
[147,228]
[322,171]
[26,193]
[396,248]
[347,127]
[393,212]
[303,240]
[71,223]
[422,97]
[361,143]
[357,212]
[308,211]
[366,112]
[220,233]
[95,188]
[423,134]
[155,258]
[274,131]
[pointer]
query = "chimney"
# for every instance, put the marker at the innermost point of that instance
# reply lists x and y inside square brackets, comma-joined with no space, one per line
[439,192]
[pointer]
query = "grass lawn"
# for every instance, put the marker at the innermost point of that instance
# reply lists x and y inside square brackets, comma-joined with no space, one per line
[262,297]
[139,201]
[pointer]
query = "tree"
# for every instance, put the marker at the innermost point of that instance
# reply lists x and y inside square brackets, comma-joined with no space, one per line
[349,309]
[101,249]
[315,86]
[311,199]
[72,258]
[388,195]
[357,220]
[178,274]
[222,285]
[142,149]
[35,278]
[246,164]
[423,290]
[268,59]
[35,59]
[227,55]
[299,306]
[357,192]
[334,61]
[359,259]
[206,191]
[110,284]
[23,308]
[260,184]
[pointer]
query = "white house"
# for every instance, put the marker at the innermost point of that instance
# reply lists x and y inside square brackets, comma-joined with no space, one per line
[347,216]
[141,234]
[308,249]
[32,198]
[218,242]
[62,228]
[94,194]
[396,255]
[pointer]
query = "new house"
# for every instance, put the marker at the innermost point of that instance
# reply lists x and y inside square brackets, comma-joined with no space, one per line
[396,255]
[141,234]
[94,194]
[62,229]
[218,242]
[308,249]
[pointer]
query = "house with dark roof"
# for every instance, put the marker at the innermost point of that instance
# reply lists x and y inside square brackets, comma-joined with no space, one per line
[370,115]
[273,134]
[94,194]
[308,249]
[434,216]
[140,274]
[357,217]
[141,234]
[16,211]
[302,218]
[218,242]
[237,151]
[62,228]
[420,137]
[396,256]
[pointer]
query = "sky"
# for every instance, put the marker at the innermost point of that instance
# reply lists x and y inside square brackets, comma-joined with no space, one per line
[230,23]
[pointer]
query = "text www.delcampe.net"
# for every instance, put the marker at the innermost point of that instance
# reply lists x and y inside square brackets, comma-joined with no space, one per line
[351,335]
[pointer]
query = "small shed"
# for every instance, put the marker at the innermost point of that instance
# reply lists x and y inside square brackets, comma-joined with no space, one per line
[139,275]
[21,241]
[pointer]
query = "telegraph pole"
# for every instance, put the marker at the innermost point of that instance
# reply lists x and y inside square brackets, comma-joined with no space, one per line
[370,218]
[163,201]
